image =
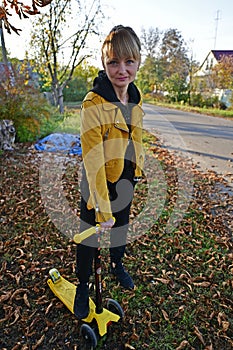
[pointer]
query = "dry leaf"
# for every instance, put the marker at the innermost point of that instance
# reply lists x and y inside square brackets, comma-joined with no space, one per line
[199,335]
[165,315]
[128,346]
[25,298]
[182,345]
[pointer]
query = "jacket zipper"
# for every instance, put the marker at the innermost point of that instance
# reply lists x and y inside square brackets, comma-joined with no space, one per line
[97,209]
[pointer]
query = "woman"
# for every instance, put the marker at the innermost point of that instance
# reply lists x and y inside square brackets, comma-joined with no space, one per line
[111,138]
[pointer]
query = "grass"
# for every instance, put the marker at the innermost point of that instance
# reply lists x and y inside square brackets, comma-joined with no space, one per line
[70,122]
[208,111]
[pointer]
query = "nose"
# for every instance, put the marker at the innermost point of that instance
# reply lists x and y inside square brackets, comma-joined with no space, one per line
[122,67]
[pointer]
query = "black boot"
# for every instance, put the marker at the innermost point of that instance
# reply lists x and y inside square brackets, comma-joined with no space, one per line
[117,269]
[81,302]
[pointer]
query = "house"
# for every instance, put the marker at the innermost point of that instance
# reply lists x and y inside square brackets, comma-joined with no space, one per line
[22,69]
[6,72]
[213,58]
[204,81]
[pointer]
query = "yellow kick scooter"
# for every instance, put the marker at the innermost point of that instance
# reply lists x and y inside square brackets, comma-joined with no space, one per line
[66,291]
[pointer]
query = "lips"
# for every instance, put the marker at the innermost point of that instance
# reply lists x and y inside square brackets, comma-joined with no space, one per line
[123,78]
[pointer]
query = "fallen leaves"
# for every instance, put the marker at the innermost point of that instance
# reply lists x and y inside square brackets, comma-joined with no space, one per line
[184,278]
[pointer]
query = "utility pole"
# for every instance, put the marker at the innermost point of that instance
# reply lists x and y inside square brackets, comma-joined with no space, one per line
[216,28]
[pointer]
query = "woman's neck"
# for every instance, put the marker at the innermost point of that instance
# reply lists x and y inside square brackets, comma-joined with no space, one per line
[122,95]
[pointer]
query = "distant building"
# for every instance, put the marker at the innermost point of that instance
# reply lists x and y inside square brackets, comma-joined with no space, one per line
[22,68]
[6,72]
[213,58]
[203,76]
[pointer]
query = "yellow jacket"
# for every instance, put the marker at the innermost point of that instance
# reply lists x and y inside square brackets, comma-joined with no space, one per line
[104,139]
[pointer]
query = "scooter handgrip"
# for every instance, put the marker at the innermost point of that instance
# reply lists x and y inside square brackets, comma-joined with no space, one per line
[79,237]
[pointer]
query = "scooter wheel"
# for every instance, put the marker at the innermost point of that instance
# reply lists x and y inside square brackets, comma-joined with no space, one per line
[114,306]
[89,336]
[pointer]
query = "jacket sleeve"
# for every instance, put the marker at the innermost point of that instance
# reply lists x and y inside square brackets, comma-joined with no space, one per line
[94,161]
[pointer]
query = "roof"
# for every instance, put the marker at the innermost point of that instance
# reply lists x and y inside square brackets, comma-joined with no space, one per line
[218,54]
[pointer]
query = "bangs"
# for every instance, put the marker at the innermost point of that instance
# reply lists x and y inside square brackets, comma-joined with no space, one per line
[121,46]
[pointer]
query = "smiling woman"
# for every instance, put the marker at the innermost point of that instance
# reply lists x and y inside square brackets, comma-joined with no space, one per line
[121,59]
[111,139]
[121,73]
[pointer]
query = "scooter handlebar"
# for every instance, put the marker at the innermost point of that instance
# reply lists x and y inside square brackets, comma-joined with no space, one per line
[79,237]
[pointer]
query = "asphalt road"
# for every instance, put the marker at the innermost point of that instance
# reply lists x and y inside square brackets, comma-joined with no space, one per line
[207,141]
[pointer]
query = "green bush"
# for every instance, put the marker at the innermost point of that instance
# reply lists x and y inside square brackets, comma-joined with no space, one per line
[75,90]
[22,103]
[198,100]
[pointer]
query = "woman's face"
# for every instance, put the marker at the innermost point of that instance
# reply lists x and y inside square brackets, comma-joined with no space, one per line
[121,72]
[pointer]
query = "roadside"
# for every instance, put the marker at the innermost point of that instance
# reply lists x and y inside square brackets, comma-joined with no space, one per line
[215,112]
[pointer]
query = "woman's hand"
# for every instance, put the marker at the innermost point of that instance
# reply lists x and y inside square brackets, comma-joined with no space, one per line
[107,224]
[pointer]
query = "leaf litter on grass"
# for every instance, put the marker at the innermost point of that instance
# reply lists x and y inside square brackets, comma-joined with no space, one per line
[184,282]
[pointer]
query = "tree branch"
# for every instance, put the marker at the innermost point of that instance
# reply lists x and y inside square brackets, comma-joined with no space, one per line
[21,10]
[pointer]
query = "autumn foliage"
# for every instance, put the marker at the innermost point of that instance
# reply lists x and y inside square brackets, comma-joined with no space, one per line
[223,73]
[21,9]
[21,100]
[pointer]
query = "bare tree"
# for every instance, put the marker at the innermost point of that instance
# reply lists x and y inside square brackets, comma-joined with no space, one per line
[60,38]
[150,39]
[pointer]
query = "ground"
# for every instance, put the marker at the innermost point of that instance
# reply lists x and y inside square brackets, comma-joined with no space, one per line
[183,277]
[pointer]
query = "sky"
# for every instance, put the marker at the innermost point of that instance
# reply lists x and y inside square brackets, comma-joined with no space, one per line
[195,20]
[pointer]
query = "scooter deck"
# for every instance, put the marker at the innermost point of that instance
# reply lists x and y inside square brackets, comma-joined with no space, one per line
[66,291]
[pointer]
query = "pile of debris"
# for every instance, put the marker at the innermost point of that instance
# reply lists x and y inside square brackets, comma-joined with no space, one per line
[7,135]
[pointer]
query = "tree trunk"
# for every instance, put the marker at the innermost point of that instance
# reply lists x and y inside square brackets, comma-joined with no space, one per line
[60,99]
[58,96]
[4,54]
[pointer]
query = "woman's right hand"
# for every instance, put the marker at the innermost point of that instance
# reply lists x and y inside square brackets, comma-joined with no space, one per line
[106,225]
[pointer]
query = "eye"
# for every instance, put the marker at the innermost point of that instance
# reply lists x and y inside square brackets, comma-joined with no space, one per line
[129,62]
[113,62]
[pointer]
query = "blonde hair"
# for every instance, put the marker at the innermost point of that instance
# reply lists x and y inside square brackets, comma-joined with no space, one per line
[122,42]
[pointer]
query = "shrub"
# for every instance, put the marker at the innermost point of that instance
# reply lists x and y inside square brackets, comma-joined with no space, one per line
[199,100]
[21,102]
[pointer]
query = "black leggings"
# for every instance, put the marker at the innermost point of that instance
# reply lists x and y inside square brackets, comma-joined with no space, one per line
[120,194]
